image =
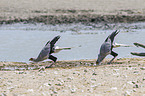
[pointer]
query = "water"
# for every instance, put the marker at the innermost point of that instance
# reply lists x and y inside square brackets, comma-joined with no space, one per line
[19,42]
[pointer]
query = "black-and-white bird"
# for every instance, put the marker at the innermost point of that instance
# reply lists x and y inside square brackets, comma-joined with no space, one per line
[47,51]
[106,48]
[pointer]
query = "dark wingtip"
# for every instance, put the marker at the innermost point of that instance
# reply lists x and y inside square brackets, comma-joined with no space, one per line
[112,35]
[55,39]
[136,44]
[117,31]
[58,36]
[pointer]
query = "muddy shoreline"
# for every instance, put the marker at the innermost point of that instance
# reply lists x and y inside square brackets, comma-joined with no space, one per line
[11,66]
[60,12]
[77,18]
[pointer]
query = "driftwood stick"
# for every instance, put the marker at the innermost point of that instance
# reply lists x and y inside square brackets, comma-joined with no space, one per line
[138,44]
[138,54]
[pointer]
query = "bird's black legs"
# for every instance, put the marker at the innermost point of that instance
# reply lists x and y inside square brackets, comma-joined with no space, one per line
[113,54]
[53,59]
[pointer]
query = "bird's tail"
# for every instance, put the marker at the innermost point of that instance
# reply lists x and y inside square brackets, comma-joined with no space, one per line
[55,39]
[112,35]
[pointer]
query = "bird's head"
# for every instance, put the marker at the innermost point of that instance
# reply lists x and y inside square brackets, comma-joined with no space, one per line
[32,59]
[100,59]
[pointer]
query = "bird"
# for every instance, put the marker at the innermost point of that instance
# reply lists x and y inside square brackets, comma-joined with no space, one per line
[46,52]
[138,45]
[106,48]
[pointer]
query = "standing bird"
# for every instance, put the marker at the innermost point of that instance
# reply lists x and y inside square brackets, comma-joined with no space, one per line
[106,48]
[47,51]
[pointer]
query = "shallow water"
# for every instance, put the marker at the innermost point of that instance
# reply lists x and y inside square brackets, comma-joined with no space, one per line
[19,42]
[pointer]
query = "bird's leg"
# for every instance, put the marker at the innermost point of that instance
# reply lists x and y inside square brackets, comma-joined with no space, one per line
[42,68]
[53,61]
[50,65]
[113,54]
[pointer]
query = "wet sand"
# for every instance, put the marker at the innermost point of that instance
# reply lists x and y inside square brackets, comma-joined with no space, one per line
[85,11]
[124,77]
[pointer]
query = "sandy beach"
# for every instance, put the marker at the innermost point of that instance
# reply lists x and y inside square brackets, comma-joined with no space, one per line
[124,77]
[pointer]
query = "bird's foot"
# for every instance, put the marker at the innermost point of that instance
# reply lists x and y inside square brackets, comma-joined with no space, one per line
[109,63]
[49,65]
[98,63]
[42,68]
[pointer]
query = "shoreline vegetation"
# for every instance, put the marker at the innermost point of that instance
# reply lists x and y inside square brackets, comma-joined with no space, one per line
[75,16]
[82,11]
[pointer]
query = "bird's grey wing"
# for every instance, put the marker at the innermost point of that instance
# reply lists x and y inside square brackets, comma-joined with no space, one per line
[105,48]
[104,51]
[44,54]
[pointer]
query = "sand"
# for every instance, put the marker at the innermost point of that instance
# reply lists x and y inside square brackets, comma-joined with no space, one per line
[124,77]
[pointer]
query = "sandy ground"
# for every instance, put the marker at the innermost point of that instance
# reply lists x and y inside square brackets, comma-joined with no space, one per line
[71,11]
[125,77]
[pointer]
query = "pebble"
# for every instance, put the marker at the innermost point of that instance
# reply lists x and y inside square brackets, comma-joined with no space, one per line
[114,88]
[94,73]
[59,84]
[69,78]
[2,94]
[30,90]
[22,72]
[73,90]
[135,72]
[93,79]
[85,70]
[47,84]
[130,82]
[94,86]
[10,88]
[136,86]
[143,79]
[127,93]
[55,72]
[116,70]
[143,68]
[134,90]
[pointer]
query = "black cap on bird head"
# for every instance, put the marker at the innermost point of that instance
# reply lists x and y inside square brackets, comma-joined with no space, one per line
[31,59]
